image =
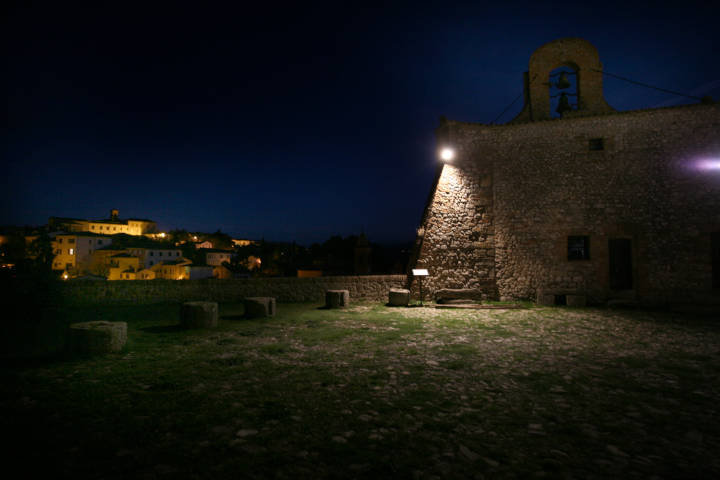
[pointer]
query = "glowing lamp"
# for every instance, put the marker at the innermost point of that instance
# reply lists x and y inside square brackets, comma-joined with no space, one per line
[447,154]
[709,164]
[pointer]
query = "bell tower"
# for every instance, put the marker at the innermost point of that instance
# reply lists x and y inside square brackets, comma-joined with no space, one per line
[576,57]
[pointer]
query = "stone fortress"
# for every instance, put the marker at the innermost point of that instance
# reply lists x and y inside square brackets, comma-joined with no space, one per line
[609,205]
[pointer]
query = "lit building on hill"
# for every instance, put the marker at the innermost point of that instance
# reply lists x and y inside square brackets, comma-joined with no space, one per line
[123,266]
[110,226]
[73,252]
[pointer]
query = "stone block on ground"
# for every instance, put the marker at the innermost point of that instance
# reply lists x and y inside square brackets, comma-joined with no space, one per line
[576,300]
[458,295]
[546,299]
[337,298]
[259,307]
[97,337]
[199,315]
[399,297]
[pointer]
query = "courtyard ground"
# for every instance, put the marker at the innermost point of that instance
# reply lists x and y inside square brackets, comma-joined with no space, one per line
[375,392]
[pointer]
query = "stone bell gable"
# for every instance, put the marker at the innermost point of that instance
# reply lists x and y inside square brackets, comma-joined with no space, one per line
[611,205]
[583,59]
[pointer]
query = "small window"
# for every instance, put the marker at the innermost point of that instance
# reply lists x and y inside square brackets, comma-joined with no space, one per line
[59,240]
[596,144]
[152,254]
[71,251]
[578,247]
[99,242]
[151,262]
[71,240]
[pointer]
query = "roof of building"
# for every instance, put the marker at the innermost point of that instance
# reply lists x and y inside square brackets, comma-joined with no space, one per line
[110,248]
[119,221]
[580,115]
[82,235]
[180,261]
[132,241]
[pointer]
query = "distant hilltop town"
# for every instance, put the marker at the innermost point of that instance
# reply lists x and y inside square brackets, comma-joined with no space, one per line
[134,249]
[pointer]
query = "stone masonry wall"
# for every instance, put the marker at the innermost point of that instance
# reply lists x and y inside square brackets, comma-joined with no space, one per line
[458,235]
[369,288]
[546,184]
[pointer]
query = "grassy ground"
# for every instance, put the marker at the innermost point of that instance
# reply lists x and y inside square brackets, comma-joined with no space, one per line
[376,392]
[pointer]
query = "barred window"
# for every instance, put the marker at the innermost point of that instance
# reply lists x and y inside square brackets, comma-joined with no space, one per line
[578,247]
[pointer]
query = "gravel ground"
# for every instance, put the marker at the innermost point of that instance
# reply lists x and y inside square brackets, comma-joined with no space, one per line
[376,392]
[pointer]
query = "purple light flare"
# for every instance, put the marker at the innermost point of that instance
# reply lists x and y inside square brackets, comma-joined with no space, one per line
[708,164]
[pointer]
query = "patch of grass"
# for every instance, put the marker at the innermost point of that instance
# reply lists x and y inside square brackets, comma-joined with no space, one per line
[371,391]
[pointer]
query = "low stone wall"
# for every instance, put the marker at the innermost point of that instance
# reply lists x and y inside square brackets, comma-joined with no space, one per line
[290,289]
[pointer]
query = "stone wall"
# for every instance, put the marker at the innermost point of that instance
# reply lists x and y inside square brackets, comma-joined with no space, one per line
[516,192]
[457,233]
[370,288]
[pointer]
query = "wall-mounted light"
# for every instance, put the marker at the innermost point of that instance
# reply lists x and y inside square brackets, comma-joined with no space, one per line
[447,154]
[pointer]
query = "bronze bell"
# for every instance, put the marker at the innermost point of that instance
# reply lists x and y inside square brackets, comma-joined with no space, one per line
[563,104]
[563,81]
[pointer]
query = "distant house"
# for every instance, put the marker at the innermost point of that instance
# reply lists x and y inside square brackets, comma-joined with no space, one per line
[205,244]
[110,226]
[239,242]
[172,269]
[145,274]
[216,257]
[101,259]
[123,266]
[199,272]
[309,273]
[152,255]
[73,252]
[222,272]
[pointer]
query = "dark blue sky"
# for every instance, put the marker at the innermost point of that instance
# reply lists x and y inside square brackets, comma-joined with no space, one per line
[292,122]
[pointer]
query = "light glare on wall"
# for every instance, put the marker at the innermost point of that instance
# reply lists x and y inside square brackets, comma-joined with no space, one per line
[709,164]
[447,154]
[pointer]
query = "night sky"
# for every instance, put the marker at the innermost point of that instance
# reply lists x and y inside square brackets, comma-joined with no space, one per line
[298,121]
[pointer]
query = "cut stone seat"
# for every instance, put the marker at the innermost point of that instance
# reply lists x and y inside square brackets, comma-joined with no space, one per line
[399,297]
[337,298]
[259,307]
[546,299]
[561,298]
[97,337]
[199,315]
[575,300]
[456,295]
